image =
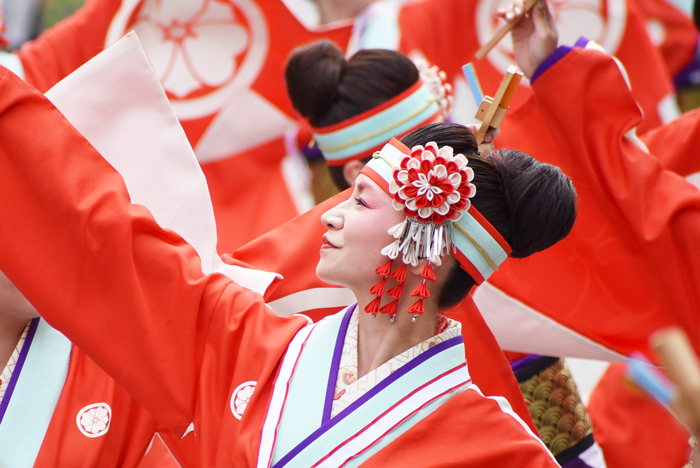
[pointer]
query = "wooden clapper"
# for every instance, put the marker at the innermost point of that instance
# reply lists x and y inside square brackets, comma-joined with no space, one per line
[492,110]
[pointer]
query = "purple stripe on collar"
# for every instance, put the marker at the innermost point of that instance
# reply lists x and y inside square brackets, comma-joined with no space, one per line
[576,463]
[445,345]
[522,363]
[335,364]
[18,367]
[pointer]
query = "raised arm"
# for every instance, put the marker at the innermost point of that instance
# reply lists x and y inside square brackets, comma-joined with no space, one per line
[101,270]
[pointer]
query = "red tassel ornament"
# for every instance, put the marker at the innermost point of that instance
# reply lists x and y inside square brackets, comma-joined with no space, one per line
[427,273]
[385,269]
[396,291]
[416,309]
[373,307]
[400,273]
[390,308]
[421,291]
[378,289]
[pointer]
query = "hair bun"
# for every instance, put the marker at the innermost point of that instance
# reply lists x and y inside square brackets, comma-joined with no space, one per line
[541,202]
[313,75]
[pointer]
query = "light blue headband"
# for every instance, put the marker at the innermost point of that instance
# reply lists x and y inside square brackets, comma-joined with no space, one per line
[363,134]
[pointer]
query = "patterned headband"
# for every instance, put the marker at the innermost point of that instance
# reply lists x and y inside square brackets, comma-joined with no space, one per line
[362,135]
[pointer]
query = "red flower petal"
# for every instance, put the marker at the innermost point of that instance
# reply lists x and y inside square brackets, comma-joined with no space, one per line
[422,202]
[438,199]
[437,218]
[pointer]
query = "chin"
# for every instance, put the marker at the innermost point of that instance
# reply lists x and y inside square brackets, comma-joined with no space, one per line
[328,274]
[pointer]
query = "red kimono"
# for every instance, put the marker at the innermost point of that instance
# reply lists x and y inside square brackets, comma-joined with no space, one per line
[216,354]
[61,409]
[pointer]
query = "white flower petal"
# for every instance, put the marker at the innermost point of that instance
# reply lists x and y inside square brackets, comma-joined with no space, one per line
[460,160]
[159,51]
[101,412]
[409,258]
[455,179]
[439,171]
[98,427]
[413,163]
[177,10]
[215,11]
[446,152]
[180,80]
[470,173]
[411,204]
[426,212]
[442,209]
[428,155]
[212,53]
[393,187]
[398,230]
[453,198]
[397,206]
[403,177]
[392,250]
[458,215]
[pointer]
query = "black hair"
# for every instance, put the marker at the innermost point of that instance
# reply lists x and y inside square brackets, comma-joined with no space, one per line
[325,88]
[530,203]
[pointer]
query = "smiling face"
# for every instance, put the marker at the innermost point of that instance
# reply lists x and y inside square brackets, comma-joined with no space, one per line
[357,232]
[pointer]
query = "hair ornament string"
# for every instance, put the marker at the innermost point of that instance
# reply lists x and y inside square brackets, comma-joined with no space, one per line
[432,187]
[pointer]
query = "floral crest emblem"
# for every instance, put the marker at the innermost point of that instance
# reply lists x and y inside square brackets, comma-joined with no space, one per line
[94,420]
[240,398]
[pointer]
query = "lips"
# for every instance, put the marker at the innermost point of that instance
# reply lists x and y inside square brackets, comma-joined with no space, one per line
[327,244]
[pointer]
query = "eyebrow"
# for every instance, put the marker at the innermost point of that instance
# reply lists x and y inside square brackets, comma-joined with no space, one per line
[363,186]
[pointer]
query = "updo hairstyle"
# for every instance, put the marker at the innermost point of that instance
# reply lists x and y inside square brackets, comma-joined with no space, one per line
[326,89]
[530,203]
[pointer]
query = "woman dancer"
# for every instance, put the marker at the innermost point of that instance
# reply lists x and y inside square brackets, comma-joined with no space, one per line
[221,361]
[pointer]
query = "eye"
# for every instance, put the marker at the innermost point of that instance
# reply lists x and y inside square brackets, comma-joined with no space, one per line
[360,202]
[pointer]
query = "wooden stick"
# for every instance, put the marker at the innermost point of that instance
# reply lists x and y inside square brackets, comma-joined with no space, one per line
[678,356]
[500,100]
[486,48]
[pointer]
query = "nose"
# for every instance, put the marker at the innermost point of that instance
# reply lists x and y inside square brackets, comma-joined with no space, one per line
[333,218]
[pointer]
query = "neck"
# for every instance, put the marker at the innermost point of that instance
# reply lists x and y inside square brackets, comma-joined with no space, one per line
[337,10]
[11,329]
[380,340]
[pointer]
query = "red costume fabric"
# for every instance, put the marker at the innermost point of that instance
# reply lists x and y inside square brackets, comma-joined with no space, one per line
[230,98]
[203,335]
[657,210]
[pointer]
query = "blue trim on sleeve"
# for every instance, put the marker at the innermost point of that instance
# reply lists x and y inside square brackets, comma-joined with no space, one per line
[557,55]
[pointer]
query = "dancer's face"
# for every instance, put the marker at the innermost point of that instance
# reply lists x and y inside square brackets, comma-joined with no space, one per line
[357,232]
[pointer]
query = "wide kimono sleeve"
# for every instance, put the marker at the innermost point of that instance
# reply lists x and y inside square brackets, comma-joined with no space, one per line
[677,144]
[652,212]
[127,292]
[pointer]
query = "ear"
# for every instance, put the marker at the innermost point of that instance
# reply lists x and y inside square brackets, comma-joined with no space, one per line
[418,269]
[351,170]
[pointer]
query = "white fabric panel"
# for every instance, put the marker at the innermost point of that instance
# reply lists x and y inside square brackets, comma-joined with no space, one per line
[520,328]
[313,299]
[116,101]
